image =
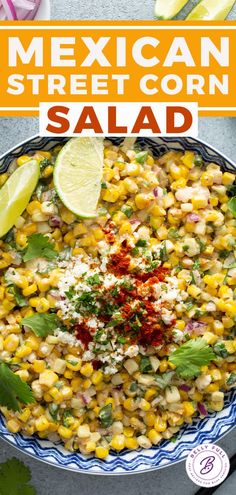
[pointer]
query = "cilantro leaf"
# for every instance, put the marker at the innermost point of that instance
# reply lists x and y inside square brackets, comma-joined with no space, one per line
[94,279]
[42,324]
[105,416]
[13,389]
[14,478]
[15,291]
[189,358]
[141,243]
[39,246]
[232,206]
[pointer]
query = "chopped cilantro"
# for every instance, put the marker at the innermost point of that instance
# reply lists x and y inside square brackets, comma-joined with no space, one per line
[13,390]
[185,248]
[105,416]
[163,252]
[145,365]
[135,251]
[141,243]
[198,161]
[20,300]
[220,350]
[44,164]
[127,210]
[70,293]
[121,339]
[201,244]
[141,157]
[42,324]
[173,233]
[133,387]
[232,379]
[103,185]
[94,279]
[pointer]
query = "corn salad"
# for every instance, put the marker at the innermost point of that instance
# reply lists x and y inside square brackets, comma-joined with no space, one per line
[128,293]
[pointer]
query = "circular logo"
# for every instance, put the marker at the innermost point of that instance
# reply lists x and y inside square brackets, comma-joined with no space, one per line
[207,465]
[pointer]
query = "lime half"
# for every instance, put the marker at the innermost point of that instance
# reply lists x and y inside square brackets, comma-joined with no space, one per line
[211,10]
[165,9]
[78,174]
[16,193]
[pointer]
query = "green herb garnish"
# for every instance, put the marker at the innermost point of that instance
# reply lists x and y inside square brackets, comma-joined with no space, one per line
[42,324]
[190,357]
[141,157]
[127,210]
[13,390]
[39,246]
[105,416]
[14,478]
[232,206]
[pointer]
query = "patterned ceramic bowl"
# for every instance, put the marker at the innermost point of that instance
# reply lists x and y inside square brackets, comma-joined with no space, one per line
[209,429]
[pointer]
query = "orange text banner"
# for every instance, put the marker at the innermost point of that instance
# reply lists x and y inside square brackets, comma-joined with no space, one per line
[118,62]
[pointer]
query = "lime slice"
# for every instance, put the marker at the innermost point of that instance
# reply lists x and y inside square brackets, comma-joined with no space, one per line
[165,9]
[16,193]
[211,10]
[78,174]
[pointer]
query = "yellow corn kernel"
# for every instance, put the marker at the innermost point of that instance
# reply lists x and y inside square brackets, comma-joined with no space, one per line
[3,178]
[64,432]
[188,159]
[11,343]
[199,202]
[23,351]
[55,394]
[160,424]
[194,291]
[128,431]
[229,345]
[41,423]
[154,436]
[101,452]
[13,425]
[22,159]
[39,365]
[225,292]
[76,384]
[30,290]
[90,446]
[23,374]
[98,234]
[111,195]
[155,223]
[43,305]
[97,377]
[47,171]
[188,408]
[48,378]
[210,337]
[150,393]
[133,169]
[73,362]
[149,419]
[118,442]
[25,415]
[86,370]
[213,387]
[130,185]
[67,216]
[125,228]
[178,184]
[44,284]
[131,443]
[228,178]
[197,396]
[163,366]
[34,301]
[86,384]
[142,201]
[144,405]
[68,374]
[129,404]
[29,229]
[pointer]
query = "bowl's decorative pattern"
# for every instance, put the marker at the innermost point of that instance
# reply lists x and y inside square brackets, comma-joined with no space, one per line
[209,429]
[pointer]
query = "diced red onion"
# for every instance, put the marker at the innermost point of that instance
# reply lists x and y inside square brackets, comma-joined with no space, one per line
[202,409]
[18,9]
[195,326]
[86,399]
[185,388]
[135,224]
[55,221]
[193,218]
[155,192]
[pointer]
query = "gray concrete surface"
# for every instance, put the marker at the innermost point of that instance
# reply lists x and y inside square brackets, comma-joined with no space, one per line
[108,9]
[219,132]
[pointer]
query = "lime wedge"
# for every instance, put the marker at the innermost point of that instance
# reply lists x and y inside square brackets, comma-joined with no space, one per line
[16,193]
[78,175]
[165,9]
[211,10]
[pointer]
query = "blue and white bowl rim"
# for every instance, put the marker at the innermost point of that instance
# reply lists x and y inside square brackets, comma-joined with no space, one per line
[209,429]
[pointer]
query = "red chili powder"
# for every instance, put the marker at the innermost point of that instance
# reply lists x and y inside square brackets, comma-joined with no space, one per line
[82,333]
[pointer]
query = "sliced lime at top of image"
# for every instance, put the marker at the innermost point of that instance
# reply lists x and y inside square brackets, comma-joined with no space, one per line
[165,9]
[16,193]
[78,175]
[211,10]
